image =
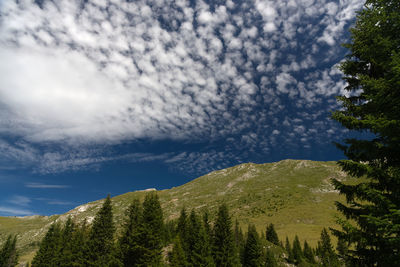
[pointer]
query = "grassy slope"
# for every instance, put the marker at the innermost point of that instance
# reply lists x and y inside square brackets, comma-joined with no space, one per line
[295,195]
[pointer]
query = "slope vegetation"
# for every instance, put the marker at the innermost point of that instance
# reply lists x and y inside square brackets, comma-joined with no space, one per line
[295,195]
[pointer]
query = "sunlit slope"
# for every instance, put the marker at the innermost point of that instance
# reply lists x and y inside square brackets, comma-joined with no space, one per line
[295,195]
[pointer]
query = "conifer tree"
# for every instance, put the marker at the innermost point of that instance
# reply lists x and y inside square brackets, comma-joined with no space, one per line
[177,257]
[47,254]
[239,241]
[372,73]
[153,227]
[297,252]
[101,238]
[289,251]
[79,245]
[308,253]
[131,250]
[199,250]
[65,251]
[207,226]
[271,234]
[270,260]
[252,256]
[223,239]
[325,251]
[8,253]
[342,250]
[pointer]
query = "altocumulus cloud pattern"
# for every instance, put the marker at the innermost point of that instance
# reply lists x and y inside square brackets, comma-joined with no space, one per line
[81,77]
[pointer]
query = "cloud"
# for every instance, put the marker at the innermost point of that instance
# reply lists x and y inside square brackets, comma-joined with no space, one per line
[46,186]
[19,200]
[11,211]
[78,79]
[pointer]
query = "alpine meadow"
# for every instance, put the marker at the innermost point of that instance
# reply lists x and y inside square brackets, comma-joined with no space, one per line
[287,112]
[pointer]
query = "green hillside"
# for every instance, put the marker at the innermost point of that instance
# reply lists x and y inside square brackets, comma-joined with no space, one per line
[295,195]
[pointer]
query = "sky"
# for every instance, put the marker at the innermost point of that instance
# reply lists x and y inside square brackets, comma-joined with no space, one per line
[105,97]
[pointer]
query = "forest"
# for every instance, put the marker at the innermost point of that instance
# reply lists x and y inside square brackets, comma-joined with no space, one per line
[191,240]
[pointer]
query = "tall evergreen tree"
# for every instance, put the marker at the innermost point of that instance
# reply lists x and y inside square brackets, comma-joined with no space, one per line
[289,251]
[223,240]
[177,257]
[252,256]
[131,249]
[65,251]
[372,73]
[297,252]
[199,249]
[101,238]
[153,227]
[270,260]
[8,253]
[271,234]
[308,253]
[47,254]
[325,251]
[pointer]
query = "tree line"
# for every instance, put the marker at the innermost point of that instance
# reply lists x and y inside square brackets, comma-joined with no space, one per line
[191,240]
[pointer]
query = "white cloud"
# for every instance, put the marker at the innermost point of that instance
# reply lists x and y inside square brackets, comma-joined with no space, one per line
[82,77]
[19,200]
[11,211]
[46,186]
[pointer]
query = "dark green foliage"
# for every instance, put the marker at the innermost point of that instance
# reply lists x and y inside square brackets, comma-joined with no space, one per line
[372,72]
[101,237]
[308,253]
[271,234]
[224,250]
[198,243]
[153,227]
[342,249]
[130,241]
[177,256]
[47,254]
[252,256]
[327,255]
[270,260]
[8,253]
[297,252]
[289,251]
[239,241]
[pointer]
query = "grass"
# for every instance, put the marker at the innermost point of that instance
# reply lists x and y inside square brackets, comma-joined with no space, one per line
[295,195]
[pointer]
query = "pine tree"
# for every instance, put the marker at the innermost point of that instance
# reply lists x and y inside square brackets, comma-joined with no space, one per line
[130,246]
[65,254]
[270,260]
[308,253]
[271,234]
[101,237]
[177,257]
[79,245]
[199,249]
[289,251]
[8,253]
[47,254]
[153,227]
[223,239]
[372,73]
[297,252]
[252,250]
[325,251]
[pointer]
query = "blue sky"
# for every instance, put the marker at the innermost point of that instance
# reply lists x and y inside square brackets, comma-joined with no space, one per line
[110,96]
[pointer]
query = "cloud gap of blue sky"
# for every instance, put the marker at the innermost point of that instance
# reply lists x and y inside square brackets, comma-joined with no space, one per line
[189,86]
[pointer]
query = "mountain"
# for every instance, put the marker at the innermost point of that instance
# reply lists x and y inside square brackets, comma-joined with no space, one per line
[295,195]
